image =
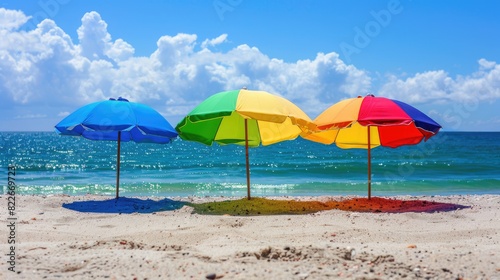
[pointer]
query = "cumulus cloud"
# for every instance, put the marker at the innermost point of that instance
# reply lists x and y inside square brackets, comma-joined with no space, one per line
[95,41]
[172,50]
[11,20]
[485,64]
[45,67]
[438,86]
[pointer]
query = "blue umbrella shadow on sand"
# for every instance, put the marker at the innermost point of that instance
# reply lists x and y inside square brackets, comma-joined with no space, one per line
[124,205]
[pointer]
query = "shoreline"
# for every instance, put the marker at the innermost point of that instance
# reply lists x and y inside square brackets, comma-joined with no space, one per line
[54,241]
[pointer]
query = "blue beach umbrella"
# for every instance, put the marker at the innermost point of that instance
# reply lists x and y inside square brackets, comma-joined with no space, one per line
[118,120]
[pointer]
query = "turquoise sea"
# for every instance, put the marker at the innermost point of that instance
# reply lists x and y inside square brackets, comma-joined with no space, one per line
[449,163]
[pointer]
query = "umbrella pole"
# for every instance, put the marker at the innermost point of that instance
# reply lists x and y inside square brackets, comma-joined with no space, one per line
[248,165]
[118,164]
[369,166]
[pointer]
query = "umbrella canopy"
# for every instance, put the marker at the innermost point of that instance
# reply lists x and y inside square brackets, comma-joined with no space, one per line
[369,122]
[244,117]
[118,120]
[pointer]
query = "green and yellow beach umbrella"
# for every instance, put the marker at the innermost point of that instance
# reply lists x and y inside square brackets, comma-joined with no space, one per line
[244,117]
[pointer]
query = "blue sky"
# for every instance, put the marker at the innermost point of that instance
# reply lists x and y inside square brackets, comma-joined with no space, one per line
[439,56]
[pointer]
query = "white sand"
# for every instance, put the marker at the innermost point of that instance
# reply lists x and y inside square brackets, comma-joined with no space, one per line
[55,242]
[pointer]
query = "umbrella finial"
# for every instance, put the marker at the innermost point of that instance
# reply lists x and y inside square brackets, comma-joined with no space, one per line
[245,88]
[370,94]
[122,99]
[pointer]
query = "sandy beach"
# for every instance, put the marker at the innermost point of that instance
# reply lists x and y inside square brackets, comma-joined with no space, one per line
[54,239]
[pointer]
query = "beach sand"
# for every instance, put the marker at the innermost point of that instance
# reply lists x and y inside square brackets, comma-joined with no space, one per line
[83,237]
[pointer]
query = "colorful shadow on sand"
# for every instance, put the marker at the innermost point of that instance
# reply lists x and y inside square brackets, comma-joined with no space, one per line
[263,206]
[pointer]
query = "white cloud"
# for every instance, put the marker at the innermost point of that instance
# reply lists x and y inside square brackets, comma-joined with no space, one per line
[438,86]
[93,35]
[11,20]
[31,116]
[485,64]
[213,42]
[172,49]
[45,67]
[95,41]
[120,50]
[48,67]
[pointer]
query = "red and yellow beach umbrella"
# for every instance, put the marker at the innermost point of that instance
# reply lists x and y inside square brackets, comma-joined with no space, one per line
[369,122]
[244,117]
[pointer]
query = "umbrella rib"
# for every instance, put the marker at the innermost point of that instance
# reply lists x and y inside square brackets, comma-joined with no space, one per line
[217,130]
[132,112]
[258,131]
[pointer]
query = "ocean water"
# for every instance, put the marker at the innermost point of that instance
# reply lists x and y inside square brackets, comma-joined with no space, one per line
[449,163]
